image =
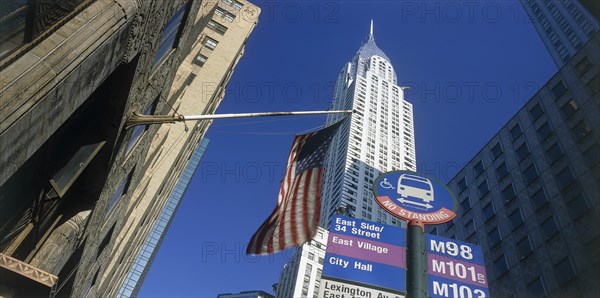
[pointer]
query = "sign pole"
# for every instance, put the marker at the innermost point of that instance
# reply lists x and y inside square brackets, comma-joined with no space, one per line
[416,263]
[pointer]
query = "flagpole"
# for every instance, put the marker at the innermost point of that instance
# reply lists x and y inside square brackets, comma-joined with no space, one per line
[139,119]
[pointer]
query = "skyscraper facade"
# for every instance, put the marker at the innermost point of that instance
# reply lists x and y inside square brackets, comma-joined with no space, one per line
[79,191]
[378,138]
[531,196]
[141,265]
[564,26]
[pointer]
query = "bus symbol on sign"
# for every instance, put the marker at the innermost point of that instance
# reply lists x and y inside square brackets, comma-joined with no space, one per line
[414,197]
[415,186]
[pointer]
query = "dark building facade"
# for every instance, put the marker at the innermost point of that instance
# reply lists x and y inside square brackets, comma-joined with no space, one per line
[76,198]
[531,196]
[564,26]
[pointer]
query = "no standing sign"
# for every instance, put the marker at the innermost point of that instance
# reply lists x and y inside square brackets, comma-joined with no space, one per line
[411,196]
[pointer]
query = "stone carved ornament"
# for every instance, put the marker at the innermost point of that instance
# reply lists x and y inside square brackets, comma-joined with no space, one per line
[61,244]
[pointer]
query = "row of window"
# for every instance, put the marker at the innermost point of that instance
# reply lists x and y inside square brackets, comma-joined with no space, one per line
[564,271]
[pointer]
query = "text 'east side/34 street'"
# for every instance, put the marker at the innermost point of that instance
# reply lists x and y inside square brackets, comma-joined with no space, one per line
[365,229]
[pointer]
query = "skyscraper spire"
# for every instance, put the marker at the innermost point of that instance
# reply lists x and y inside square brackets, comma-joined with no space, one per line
[371,37]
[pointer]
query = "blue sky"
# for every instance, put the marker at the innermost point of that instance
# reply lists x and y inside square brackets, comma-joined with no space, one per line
[470,67]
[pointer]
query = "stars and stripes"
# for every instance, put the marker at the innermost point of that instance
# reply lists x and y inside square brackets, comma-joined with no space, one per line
[296,216]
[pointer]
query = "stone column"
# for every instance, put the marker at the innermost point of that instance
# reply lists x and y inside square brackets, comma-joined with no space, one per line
[61,244]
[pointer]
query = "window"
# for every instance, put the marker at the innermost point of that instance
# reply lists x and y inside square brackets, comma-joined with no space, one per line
[536,288]
[539,199]
[536,112]
[465,205]
[516,219]
[554,153]
[138,130]
[235,4]
[559,89]
[224,14]
[488,211]
[496,151]
[583,66]
[169,35]
[594,84]
[449,225]
[462,185]
[530,174]
[501,266]
[216,27]
[564,178]
[210,43]
[89,285]
[469,228]
[524,247]
[483,189]
[508,193]
[105,241]
[478,169]
[550,227]
[544,131]
[516,131]
[564,271]
[120,192]
[569,108]
[494,237]
[522,152]
[581,130]
[200,60]
[64,178]
[592,155]
[577,207]
[502,171]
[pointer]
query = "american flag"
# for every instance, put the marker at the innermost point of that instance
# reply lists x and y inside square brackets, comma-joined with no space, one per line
[296,216]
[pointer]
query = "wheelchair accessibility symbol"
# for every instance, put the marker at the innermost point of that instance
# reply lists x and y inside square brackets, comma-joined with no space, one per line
[386,184]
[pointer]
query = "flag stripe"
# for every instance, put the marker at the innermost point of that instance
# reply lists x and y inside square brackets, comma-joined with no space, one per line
[292,227]
[305,202]
[287,218]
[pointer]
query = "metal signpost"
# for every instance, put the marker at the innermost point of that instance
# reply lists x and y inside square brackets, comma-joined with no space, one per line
[363,259]
[419,200]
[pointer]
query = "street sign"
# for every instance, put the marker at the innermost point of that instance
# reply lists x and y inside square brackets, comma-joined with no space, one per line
[412,196]
[456,268]
[365,256]
[333,288]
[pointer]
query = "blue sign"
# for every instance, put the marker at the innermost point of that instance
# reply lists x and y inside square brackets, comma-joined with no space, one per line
[451,248]
[367,253]
[365,272]
[412,196]
[456,268]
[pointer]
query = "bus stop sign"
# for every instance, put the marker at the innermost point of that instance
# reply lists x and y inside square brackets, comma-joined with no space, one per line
[413,196]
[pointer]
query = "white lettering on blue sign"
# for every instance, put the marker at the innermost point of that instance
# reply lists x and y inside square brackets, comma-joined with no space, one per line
[456,290]
[452,249]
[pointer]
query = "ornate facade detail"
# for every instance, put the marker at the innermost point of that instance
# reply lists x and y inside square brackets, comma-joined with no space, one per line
[27,270]
[134,39]
[61,244]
